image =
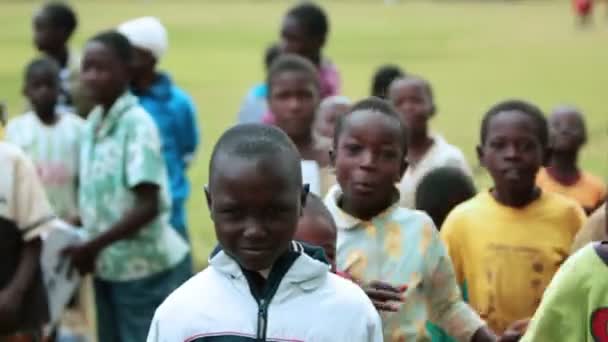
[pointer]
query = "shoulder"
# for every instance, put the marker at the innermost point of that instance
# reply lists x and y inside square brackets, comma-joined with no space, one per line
[594,181]
[72,119]
[464,216]
[561,204]
[11,154]
[410,218]
[348,297]
[19,121]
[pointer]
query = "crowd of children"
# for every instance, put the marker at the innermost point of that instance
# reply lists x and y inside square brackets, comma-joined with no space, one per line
[335,220]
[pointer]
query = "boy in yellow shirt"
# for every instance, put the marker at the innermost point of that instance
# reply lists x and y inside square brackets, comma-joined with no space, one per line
[562,174]
[507,243]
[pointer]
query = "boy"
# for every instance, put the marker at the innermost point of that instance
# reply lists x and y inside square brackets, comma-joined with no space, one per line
[330,109]
[413,98]
[260,285]
[317,227]
[507,243]
[53,26]
[50,137]
[382,79]
[25,216]
[593,230]
[562,175]
[171,108]
[575,305]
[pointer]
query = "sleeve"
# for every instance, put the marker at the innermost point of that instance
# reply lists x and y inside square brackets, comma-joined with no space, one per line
[375,328]
[579,218]
[33,212]
[154,332]
[12,133]
[188,130]
[446,306]
[451,236]
[560,316]
[143,159]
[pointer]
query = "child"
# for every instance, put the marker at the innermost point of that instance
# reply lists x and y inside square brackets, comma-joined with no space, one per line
[136,257]
[171,108]
[413,98]
[396,251]
[255,104]
[304,32]
[441,190]
[293,97]
[53,26]
[316,226]
[568,135]
[593,230]
[25,216]
[382,79]
[330,109]
[50,137]
[507,243]
[575,305]
[260,283]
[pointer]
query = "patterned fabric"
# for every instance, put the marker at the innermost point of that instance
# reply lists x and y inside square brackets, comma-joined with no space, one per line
[402,247]
[120,151]
[589,191]
[54,151]
[505,256]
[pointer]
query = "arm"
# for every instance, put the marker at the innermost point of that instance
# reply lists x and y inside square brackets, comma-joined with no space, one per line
[188,136]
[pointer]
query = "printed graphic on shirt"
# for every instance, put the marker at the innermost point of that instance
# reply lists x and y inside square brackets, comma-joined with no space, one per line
[599,325]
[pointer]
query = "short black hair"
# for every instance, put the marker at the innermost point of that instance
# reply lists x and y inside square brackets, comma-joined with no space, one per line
[117,42]
[270,55]
[312,18]
[441,190]
[61,15]
[383,77]
[256,141]
[373,104]
[315,207]
[527,108]
[42,64]
[424,83]
[292,63]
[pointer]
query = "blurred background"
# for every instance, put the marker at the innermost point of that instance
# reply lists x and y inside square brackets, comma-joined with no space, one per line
[474,53]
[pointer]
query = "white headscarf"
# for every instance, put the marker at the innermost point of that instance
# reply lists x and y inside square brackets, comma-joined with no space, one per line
[146,33]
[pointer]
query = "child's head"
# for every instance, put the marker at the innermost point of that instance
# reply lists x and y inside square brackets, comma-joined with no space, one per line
[567,129]
[413,98]
[369,155]
[106,66]
[441,190]
[41,85]
[293,94]
[304,31]
[53,25]
[382,79]
[149,39]
[317,227]
[255,193]
[514,139]
[273,51]
[330,109]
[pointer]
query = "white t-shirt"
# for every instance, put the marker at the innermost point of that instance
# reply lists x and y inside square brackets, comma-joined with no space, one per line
[55,152]
[441,154]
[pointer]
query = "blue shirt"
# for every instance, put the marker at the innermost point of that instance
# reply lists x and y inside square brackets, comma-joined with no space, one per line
[175,116]
[254,105]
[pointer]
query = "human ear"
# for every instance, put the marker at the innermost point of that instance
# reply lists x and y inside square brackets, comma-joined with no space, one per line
[332,158]
[209,200]
[480,155]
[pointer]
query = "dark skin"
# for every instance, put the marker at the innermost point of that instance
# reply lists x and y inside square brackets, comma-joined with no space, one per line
[42,90]
[143,69]
[296,39]
[319,231]
[13,294]
[568,135]
[255,205]
[293,99]
[51,39]
[106,76]
[513,153]
[415,105]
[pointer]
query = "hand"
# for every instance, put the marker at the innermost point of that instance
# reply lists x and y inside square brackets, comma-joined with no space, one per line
[9,311]
[381,294]
[82,258]
[515,331]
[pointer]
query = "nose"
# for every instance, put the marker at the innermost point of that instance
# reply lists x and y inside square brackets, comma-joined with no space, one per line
[511,152]
[254,229]
[368,160]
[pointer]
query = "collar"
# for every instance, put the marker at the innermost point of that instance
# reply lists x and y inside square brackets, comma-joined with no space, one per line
[161,88]
[344,220]
[103,125]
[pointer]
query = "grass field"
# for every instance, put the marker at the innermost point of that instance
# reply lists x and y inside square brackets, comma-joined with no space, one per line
[474,53]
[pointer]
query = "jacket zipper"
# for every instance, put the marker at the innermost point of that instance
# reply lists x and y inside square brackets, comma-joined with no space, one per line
[262,320]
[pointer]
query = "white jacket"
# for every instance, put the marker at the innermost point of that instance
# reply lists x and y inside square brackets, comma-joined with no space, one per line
[310,304]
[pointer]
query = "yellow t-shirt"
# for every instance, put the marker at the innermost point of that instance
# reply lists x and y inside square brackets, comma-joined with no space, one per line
[505,257]
[589,191]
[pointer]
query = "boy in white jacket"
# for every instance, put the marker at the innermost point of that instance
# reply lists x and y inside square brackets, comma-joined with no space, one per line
[260,285]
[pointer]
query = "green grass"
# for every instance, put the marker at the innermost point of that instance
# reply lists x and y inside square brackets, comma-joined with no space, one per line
[474,53]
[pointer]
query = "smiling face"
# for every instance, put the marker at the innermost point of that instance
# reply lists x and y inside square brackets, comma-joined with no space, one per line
[567,130]
[255,205]
[369,160]
[512,152]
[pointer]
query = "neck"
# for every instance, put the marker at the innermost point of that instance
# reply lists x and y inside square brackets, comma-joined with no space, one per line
[304,142]
[419,139]
[47,116]
[516,199]
[144,82]
[107,104]
[564,162]
[364,211]
[61,56]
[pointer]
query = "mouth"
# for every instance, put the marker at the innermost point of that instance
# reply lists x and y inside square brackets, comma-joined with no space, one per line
[363,188]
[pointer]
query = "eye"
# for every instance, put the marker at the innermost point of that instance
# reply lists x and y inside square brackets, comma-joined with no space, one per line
[389,154]
[497,144]
[352,148]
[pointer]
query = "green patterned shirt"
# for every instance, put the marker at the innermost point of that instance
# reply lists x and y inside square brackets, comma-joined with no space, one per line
[118,152]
